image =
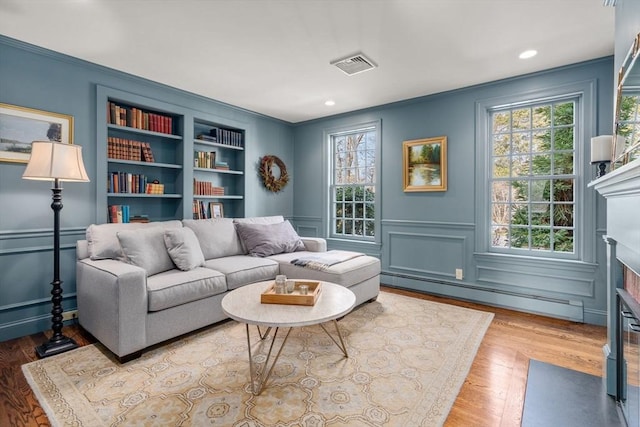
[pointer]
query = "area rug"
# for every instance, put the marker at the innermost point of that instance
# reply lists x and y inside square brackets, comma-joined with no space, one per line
[407,360]
[558,396]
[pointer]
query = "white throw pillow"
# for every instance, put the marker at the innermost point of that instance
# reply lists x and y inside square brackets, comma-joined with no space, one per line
[184,249]
[145,248]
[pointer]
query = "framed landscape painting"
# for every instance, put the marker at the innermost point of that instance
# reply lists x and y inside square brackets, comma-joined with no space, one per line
[20,126]
[425,164]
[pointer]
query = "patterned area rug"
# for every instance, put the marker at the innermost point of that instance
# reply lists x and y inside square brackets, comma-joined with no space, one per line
[407,360]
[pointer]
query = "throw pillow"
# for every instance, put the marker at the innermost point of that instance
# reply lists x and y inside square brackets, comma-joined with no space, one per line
[217,237]
[103,238]
[145,248]
[184,249]
[269,239]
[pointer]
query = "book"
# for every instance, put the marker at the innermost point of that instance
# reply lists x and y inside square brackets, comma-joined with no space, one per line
[137,118]
[118,213]
[147,154]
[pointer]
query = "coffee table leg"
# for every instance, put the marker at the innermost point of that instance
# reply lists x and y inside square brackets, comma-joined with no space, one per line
[266,333]
[258,381]
[341,345]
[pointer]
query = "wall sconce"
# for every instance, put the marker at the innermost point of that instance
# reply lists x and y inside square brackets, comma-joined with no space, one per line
[601,153]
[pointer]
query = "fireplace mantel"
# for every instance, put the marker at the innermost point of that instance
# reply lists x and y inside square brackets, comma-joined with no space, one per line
[621,189]
[622,181]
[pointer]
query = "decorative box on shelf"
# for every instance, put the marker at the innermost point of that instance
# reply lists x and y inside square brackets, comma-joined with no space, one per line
[155,188]
[296,297]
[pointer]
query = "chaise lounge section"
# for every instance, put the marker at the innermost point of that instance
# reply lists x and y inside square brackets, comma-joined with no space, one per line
[142,284]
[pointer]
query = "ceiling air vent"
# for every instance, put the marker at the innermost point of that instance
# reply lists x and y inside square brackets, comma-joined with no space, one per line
[354,64]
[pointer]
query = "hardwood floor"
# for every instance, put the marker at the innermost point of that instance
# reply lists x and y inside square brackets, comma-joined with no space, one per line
[492,395]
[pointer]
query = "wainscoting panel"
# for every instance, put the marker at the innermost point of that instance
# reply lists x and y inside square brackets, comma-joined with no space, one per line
[308,226]
[560,308]
[539,277]
[427,254]
[26,262]
[535,281]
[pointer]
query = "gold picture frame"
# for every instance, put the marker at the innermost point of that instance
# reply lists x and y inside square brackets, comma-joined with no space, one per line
[216,210]
[20,126]
[424,164]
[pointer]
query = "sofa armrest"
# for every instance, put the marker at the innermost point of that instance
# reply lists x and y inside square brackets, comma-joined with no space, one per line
[314,244]
[82,249]
[112,303]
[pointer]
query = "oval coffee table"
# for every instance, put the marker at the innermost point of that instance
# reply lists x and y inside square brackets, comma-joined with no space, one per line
[243,304]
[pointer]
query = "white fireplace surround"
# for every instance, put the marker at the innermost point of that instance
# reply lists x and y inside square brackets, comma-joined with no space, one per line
[621,188]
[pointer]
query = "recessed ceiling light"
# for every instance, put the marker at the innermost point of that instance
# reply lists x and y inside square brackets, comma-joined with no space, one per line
[329,102]
[528,54]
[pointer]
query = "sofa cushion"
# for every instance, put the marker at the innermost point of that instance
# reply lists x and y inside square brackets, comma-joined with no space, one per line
[103,238]
[176,287]
[145,248]
[183,248]
[241,269]
[275,219]
[346,273]
[217,237]
[269,239]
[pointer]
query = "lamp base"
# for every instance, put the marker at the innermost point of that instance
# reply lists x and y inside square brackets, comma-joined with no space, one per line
[602,169]
[53,347]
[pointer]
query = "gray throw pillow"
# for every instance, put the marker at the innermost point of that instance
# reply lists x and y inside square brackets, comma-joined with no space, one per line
[184,249]
[269,239]
[145,248]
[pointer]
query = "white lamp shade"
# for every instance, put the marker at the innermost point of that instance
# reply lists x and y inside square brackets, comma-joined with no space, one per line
[52,160]
[601,148]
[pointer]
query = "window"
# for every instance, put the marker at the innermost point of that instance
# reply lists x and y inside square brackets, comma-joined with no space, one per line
[532,181]
[352,195]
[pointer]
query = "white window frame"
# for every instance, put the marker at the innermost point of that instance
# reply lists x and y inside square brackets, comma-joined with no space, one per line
[583,94]
[329,180]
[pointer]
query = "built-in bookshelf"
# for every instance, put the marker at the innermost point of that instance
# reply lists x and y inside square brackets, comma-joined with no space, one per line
[218,169]
[162,161]
[142,142]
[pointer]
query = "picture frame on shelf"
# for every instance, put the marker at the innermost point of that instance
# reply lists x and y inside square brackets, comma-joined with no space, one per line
[216,210]
[20,126]
[425,164]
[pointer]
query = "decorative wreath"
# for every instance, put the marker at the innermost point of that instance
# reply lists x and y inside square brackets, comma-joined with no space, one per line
[266,172]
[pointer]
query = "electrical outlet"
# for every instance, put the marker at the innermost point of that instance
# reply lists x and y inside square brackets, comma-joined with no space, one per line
[70,315]
[459,273]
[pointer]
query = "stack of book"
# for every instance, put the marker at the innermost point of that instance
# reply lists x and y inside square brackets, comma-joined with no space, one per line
[125,182]
[206,188]
[124,115]
[222,165]
[125,149]
[155,188]
[139,218]
[223,136]
[199,210]
[118,213]
[204,159]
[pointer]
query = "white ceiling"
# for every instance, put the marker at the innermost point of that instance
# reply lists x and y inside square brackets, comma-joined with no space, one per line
[272,56]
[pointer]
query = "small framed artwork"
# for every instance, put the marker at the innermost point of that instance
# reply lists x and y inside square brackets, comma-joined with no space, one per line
[20,126]
[216,210]
[424,164]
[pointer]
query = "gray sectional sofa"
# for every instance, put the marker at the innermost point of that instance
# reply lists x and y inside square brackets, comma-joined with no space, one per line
[141,284]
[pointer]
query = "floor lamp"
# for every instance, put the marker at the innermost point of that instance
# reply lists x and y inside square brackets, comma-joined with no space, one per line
[53,161]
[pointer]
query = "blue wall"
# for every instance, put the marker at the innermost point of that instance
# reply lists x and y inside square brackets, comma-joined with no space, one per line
[38,78]
[426,236]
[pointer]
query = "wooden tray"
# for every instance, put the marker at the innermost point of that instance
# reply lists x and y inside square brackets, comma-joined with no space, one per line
[270,297]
